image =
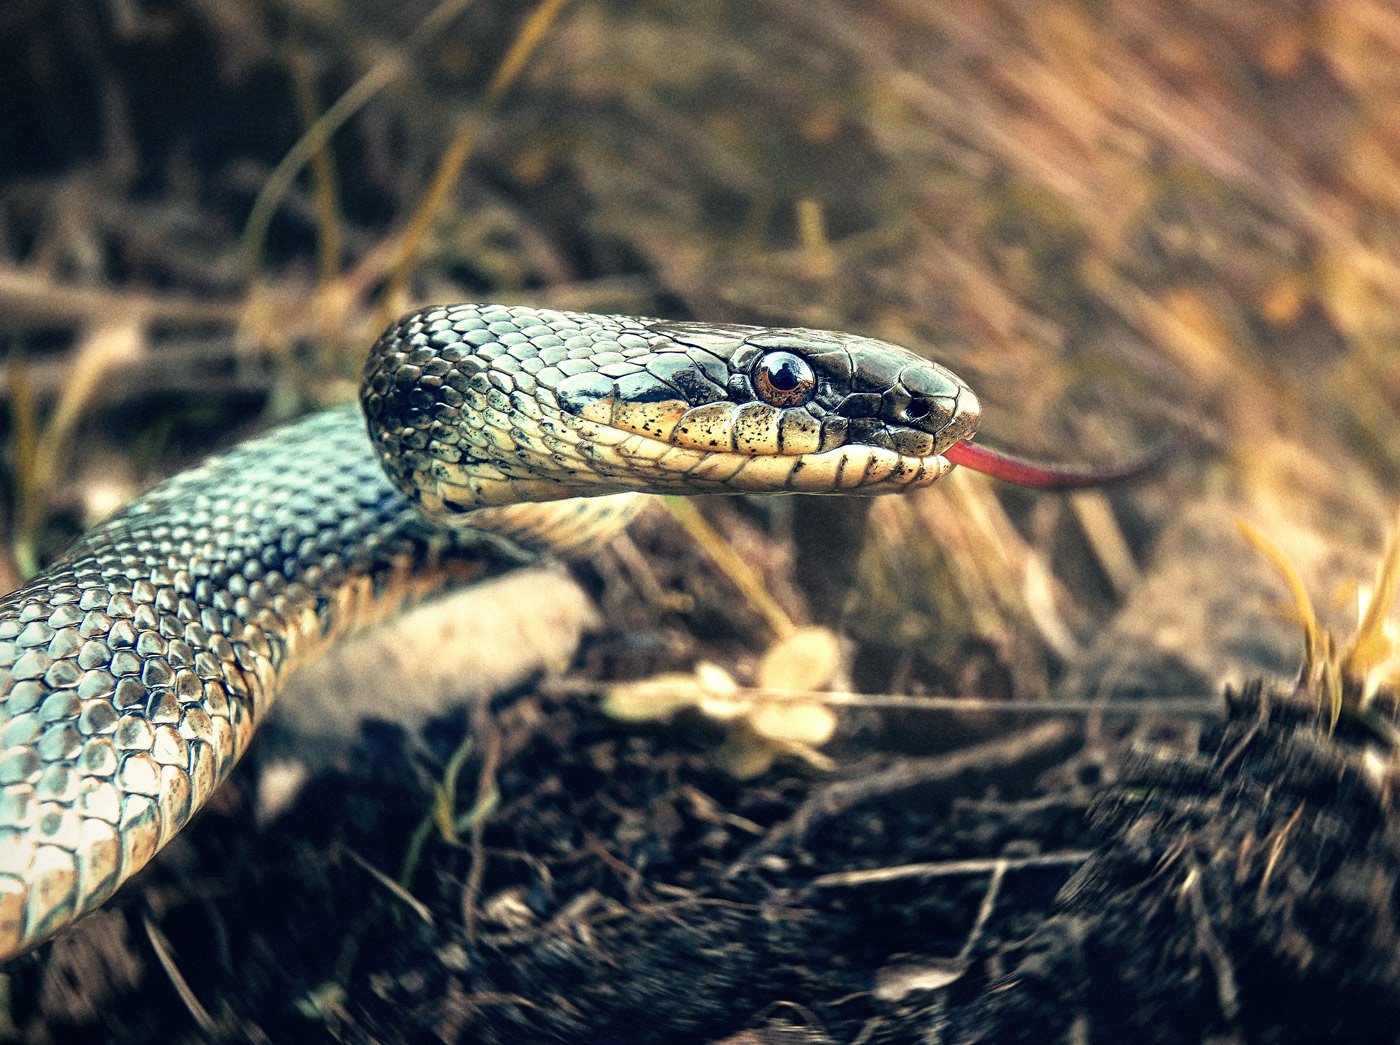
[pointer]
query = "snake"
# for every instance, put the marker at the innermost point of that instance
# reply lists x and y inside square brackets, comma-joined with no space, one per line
[136,667]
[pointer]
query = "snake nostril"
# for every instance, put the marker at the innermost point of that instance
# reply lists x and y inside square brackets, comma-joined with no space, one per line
[917,410]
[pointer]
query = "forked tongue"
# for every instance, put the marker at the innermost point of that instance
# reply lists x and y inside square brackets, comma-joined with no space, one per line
[1021,472]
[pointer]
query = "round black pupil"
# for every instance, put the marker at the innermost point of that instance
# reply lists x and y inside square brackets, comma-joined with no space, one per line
[785,373]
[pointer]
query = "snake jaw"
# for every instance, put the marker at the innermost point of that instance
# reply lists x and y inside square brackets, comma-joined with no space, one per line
[728,438]
[669,467]
[622,462]
[755,447]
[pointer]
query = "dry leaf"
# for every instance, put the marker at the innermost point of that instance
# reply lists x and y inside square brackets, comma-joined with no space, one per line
[806,659]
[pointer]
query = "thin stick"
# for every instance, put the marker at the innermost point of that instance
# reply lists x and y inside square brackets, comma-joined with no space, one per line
[948,869]
[1171,707]
[177,980]
[984,910]
[487,797]
[330,241]
[838,798]
[410,901]
[29,299]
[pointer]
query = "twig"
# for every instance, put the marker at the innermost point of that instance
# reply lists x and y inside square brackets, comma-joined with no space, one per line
[735,568]
[1227,991]
[39,454]
[330,240]
[28,299]
[409,900]
[1169,707]
[984,910]
[441,815]
[177,979]
[487,796]
[207,367]
[948,869]
[839,798]
[1105,538]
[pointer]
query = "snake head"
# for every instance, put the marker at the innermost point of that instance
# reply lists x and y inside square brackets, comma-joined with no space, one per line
[480,405]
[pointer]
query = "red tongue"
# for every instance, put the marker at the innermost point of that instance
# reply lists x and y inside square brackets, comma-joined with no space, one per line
[1049,477]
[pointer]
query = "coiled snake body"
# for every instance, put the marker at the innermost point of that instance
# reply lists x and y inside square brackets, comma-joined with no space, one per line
[134,670]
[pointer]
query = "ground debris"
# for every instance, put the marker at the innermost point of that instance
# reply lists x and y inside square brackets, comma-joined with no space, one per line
[1245,892]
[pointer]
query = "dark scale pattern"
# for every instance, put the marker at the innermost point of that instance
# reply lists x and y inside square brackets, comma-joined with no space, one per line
[135,668]
[476,397]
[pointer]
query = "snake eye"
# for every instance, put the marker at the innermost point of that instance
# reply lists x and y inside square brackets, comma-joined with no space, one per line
[783,379]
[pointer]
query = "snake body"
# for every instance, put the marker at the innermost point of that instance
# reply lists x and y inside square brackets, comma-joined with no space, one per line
[134,670]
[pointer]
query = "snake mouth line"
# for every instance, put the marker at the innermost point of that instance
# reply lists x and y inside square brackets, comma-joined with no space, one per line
[758,429]
[849,468]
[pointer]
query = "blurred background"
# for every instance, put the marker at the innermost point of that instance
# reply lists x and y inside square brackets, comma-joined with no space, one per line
[1121,223]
